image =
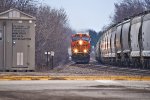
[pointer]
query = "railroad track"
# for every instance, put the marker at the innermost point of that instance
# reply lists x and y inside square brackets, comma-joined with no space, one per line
[91,69]
[113,69]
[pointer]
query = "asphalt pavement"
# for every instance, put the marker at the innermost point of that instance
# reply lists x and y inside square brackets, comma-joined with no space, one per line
[75,90]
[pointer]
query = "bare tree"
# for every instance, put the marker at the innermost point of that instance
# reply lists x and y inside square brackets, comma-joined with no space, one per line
[147,4]
[52,34]
[28,6]
[127,8]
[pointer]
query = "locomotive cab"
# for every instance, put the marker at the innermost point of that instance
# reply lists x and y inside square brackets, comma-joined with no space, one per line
[80,47]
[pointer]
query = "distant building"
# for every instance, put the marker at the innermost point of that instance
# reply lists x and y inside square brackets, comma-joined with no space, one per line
[17,40]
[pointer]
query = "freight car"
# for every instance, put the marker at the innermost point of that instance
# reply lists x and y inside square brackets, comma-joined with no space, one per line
[126,43]
[80,48]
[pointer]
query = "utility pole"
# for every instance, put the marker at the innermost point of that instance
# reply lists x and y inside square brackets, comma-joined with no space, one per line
[47,57]
[52,61]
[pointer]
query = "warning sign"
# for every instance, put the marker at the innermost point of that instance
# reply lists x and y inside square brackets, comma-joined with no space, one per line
[20,32]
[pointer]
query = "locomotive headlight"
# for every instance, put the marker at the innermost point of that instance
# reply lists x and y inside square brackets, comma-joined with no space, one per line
[81,42]
[75,50]
[85,50]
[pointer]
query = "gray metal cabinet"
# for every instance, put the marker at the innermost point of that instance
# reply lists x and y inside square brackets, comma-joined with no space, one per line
[17,41]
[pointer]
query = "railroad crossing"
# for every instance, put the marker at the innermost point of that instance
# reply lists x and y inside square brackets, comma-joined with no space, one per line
[75,90]
[73,81]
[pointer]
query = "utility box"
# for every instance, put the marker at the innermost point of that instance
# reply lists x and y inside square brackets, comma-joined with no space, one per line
[17,41]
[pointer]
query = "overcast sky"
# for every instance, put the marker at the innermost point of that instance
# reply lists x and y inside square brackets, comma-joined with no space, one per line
[86,14]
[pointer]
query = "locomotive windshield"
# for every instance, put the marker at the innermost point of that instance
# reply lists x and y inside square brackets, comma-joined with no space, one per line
[80,37]
[85,38]
[75,38]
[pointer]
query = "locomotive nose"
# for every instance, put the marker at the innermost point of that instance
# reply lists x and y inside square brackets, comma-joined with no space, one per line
[80,42]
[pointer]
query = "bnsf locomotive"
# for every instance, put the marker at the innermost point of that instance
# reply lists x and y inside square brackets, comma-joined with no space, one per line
[80,48]
[126,43]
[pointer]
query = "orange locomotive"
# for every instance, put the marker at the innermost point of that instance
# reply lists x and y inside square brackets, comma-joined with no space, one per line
[80,48]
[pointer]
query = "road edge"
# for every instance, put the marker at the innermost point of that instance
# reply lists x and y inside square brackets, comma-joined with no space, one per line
[127,78]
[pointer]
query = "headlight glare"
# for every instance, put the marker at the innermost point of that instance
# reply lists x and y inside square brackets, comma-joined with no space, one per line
[75,50]
[81,42]
[85,50]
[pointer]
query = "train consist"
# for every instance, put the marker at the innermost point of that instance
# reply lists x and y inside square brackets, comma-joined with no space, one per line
[80,48]
[126,43]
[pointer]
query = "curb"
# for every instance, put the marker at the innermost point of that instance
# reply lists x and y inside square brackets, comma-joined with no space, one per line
[127,78]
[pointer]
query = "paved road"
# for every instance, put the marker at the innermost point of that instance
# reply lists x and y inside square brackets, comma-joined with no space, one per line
[75,90]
